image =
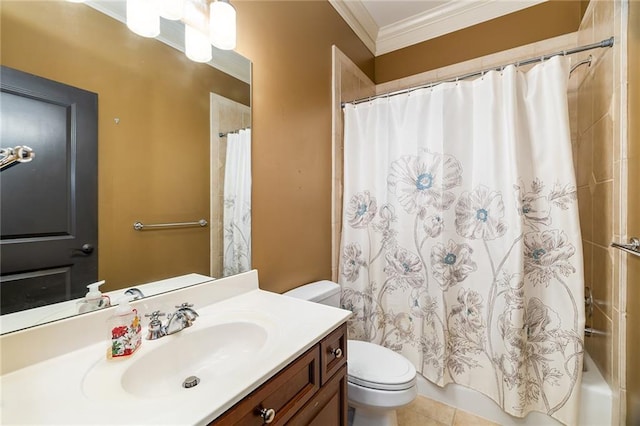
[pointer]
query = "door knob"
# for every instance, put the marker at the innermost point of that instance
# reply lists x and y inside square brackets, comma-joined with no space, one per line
[86,249]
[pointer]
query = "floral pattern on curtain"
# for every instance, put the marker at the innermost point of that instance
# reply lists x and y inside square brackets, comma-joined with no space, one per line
[237,204]
[461,244]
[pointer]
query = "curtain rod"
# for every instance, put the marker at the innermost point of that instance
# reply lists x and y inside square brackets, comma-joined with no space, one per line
[223,134]
[604,43]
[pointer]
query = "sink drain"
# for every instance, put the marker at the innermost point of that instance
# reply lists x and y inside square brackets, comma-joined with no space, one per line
[190,382]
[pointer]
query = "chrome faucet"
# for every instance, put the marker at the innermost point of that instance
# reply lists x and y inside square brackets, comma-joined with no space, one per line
[135,292]
[176,322]
[183,317]
[189,313]
[156,329]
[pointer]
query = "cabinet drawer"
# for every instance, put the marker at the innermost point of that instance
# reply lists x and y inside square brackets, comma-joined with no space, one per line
[333,353]
[285,394]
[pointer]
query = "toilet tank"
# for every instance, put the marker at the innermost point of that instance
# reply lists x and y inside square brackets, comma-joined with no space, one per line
[324,292]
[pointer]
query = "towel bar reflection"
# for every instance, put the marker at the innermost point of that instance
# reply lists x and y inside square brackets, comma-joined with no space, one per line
[633,247]
[139,226]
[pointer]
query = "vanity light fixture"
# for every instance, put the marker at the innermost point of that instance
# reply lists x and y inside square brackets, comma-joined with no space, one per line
[143,17]
[205,24]
[172,10]
[196,45]
[222,24]
[196,30]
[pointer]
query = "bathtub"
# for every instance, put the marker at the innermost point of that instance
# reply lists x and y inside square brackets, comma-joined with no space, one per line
[595,401]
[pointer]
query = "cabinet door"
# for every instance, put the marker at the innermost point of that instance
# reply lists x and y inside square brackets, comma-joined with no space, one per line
[328,407]
[279,398]
[333,353]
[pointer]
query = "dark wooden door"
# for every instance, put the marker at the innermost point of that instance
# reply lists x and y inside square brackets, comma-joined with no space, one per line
[49,206]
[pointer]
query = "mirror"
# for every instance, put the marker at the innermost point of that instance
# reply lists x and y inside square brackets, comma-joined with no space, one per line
[161,157]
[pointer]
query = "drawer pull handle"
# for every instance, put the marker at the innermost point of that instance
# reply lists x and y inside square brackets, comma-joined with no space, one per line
[268,414]
[337,352]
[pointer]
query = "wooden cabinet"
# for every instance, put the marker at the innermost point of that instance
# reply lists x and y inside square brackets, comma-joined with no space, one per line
[312,390]
[328,406]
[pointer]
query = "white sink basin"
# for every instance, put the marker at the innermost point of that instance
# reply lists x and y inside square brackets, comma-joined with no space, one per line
[209,353]
[206,353]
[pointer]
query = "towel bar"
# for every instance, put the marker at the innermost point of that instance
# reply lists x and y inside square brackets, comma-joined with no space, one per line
[139,226]
[633,247]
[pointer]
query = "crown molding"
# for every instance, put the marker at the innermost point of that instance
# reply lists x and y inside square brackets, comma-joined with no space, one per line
[359,19]
[449,17]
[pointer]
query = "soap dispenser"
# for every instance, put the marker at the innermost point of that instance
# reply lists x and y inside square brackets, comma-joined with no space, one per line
[125,330]
[94,299]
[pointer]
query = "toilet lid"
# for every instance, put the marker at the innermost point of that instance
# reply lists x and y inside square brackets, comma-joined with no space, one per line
[374,366]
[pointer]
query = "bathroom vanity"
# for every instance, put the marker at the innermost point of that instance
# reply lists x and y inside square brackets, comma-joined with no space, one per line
[259,356]
[312,390]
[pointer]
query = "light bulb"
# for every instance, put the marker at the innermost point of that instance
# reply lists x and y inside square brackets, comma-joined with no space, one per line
[222,25]
[195,15]
[171,9]
[143,17]
[196,45]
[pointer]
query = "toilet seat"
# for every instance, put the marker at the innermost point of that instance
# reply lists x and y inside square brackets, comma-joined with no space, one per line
[376,367]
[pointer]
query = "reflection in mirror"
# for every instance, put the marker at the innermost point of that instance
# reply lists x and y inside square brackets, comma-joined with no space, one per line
[165,126]
[55,311]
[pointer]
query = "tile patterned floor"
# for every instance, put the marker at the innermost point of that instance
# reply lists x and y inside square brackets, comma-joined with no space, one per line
[426,412]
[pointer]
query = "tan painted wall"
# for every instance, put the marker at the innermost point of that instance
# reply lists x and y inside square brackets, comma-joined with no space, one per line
[533,24]
[154,164]
[290,43]
[633,225]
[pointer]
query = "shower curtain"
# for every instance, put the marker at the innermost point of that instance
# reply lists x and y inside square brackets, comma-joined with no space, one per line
[461,245]
[237,204]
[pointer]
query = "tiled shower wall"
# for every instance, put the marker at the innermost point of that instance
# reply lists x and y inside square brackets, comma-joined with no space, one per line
[597,145]
[349,83]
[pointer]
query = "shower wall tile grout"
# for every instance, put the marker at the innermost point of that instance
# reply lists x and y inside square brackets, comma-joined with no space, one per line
[600,185]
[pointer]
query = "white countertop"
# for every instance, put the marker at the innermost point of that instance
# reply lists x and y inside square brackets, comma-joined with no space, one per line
[55,390]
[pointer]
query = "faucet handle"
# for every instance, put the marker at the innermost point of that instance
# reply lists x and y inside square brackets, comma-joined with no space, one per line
[185,305]
[156,330]
[155,315]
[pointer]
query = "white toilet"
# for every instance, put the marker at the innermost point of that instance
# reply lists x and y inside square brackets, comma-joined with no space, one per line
[379,379]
